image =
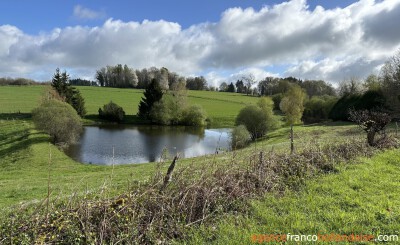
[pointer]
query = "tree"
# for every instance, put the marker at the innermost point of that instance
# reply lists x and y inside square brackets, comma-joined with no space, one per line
[267,106]
[112,112]
[390,80]
[351,86]
[71,95]
[254,119]
[196,83]
[372,83]
[249,80]
[223,87]
[240,86]
[317,88]
[163,78]
[292,105]
[371,121]
[230,88]
[59,120]
[152,94]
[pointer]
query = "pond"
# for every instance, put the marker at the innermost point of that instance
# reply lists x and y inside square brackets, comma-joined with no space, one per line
[140,144]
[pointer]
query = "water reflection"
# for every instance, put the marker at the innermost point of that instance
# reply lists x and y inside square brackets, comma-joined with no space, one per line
[138,144]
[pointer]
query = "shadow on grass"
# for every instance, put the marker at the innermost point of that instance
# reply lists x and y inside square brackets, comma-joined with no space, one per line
[15,116]
[23,144]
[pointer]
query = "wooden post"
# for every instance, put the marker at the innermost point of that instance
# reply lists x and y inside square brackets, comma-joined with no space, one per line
[291,139]
[168,176]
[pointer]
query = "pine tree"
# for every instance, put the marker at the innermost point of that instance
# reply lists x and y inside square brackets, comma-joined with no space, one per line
[71,95]
[152,94]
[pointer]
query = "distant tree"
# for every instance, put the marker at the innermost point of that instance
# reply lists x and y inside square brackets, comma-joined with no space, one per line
[249,81]
[112,112]
[372,83]
[223,87]
[81,82]
[130,79]
[390,80]
[117,76]
[351,86]
[372,122]
[292,105]
[196,83]
[152,94]
[58,119]
[240,86]
[317,88]
[230,88]
[163,78]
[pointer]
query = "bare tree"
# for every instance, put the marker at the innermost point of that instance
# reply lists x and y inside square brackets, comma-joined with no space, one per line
[249,81]
[371,122]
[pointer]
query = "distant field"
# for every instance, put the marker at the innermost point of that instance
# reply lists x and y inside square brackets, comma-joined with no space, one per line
[222,108]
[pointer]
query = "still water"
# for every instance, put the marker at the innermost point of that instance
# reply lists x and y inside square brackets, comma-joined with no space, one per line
[140,144]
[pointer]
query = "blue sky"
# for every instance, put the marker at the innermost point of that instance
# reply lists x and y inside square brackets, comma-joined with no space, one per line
[222,40]
[37,16]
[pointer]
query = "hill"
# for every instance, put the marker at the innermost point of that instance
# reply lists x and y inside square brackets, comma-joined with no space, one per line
[221,108]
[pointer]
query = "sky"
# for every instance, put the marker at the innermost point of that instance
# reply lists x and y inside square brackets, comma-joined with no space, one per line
[221,40]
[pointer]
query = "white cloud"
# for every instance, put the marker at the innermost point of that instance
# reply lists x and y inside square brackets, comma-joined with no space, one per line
[83,13]
[314,43]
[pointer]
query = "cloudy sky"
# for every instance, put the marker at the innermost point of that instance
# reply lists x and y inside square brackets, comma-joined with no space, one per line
[221,40]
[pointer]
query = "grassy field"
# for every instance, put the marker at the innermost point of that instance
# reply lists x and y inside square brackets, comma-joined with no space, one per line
[360,198]
[221,108]
[24,161]
[363,199]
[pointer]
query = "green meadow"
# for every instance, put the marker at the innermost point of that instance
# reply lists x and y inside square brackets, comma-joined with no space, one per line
[221,108]
[361,196]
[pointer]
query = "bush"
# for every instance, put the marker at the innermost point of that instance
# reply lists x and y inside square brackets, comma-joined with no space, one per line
[194,116]
[368,101]
[240,137]
[267,105]
[112,112]
[255,120]
[172,110]
[59,120]
[317,108]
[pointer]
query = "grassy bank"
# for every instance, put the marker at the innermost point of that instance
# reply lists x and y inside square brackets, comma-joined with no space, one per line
[221,108]
[363,198]
[24,160]
[206,201]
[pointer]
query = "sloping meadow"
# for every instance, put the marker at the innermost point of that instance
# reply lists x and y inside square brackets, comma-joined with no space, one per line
[167,206]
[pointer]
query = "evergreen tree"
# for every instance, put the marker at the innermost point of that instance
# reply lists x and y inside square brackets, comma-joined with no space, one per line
[71,95]
[152,94]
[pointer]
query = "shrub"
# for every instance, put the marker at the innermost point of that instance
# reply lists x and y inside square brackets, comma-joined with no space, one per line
[172,110]
[267,105]
[240,137]
[368,101]
[59,120]
[194,116]
[317,108]
[112,112]
[254,119]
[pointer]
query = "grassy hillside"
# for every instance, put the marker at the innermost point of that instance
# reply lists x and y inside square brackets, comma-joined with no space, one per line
[222,108]
[24,161]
